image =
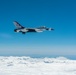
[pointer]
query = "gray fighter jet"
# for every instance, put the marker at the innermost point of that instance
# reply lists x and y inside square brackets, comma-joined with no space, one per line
[23,30]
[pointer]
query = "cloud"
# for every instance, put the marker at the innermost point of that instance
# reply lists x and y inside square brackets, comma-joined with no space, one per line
[15,65]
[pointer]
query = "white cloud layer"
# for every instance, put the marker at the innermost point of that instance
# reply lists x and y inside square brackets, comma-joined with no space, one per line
[37,66]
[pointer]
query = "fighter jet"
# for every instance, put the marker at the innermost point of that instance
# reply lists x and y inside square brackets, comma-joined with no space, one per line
[23,30]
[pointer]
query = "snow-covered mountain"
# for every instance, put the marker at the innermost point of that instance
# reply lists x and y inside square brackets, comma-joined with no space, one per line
[36,66]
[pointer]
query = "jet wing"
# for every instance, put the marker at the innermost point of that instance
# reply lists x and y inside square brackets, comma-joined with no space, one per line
[18,26]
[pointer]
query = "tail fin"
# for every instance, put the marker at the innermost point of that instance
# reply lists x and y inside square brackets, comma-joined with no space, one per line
[18,26]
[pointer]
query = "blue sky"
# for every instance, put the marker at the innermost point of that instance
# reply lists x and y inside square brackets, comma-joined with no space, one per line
[58,14]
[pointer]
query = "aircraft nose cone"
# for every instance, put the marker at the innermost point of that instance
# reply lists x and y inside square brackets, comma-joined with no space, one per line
[52,29]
